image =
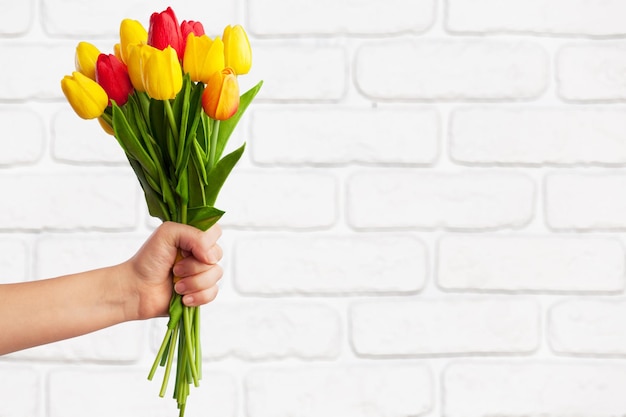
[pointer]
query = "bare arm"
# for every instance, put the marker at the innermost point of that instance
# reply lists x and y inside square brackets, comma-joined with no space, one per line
[40,312]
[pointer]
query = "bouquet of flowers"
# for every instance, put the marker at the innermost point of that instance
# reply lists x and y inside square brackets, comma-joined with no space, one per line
[170,96]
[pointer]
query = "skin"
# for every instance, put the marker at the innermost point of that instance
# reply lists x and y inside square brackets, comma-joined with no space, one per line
[49,310]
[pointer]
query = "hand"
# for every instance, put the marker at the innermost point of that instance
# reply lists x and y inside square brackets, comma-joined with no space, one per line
[150,273]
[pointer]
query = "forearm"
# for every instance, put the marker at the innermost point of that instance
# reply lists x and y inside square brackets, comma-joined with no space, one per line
[45,311]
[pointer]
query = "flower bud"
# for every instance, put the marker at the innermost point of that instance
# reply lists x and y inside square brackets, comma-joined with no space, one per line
[131,32]
[162,74]
[164,31]
[220,99]
[237,50]
[85,59]
[112,75]
[87,97]
[203,57]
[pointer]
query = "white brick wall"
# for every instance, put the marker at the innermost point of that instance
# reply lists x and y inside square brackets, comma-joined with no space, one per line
[428,220]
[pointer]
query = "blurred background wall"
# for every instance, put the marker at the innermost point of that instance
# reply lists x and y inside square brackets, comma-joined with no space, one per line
[428,220]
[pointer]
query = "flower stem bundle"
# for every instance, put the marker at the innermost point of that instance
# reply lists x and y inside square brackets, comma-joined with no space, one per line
[170,96]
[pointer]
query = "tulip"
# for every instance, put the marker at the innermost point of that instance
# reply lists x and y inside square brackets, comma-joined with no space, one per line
[87,97]
[237,51]
[137,57]
[85,59]
[164,31]
[112,75]
[220,99]
[162,74]
[131,32]
[106,126]
[188,27]
[203,57]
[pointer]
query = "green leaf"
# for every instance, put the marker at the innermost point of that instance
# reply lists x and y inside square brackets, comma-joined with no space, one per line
[153,200]
[228,126]
[219,174]
[130,142]
[203,217]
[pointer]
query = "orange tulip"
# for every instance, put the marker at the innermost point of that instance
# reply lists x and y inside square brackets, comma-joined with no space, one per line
[220,99]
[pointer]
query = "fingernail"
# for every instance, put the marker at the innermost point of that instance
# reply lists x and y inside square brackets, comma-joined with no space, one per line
[179,287]
[188,300]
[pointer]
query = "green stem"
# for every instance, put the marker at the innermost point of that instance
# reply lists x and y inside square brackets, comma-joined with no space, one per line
[171,119]
[159,355]
[170,359]
[189,345]
[213,145]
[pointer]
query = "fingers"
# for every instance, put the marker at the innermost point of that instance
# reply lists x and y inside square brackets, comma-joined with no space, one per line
[201,287]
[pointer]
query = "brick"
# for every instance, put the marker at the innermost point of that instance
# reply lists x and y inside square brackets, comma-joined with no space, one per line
[14,260]
[21,389]
[588,327]
[519,135]
[563,17]
[124,391]
[24,78]
[534,388]
[531,263]
[61,254]
[577,201]
[297,17]
[279,200]
[340,264]
[295,71]
[590,72]
[444,69]
[405,135]
[69,201]
[409,199]
[17,18]
[348,391]
[125,342]
[76,141]
[69,19]
[444,326]
[265,331]
[28,127]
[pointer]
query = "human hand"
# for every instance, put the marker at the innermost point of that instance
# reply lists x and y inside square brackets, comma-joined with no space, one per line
[148,275]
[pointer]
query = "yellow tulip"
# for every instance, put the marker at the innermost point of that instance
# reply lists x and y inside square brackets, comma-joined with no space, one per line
[106,126]
[85,59]
[162,74]
[86,97]
[137,57]
[131,32]
[203,57]
[237,51]
[220,99]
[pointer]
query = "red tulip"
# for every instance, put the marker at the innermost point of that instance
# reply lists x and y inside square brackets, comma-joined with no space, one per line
[165,31]
[112,75]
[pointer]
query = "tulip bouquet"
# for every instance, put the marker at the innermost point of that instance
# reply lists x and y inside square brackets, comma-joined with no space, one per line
[170,96]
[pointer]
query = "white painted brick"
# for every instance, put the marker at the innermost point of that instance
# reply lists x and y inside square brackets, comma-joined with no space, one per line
[347,391]
[346,264]
[265,331]
[404,135]
[21,391]
[445,326]
[69,201]
[62,254]
[14,260]
[594,327]
[469,200]
[443,69]
[533,388]
[537,135]
[570,17]
[72,19]
[590,72]
[295,71]
[125,342]
[16,17]
[24,135]
[78,141]
[531,263]
[125,392]
[25,79]
[279,199]
[579,201]
[293,17]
